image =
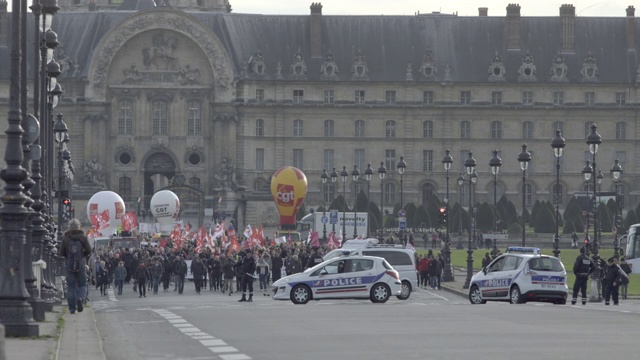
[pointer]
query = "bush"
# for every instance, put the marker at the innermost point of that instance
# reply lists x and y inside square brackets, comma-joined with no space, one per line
[545,222]
[515,229]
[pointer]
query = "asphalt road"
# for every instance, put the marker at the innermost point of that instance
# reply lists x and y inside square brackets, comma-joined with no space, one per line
[430,325]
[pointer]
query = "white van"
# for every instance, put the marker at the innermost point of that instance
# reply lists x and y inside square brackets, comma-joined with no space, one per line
[401,258]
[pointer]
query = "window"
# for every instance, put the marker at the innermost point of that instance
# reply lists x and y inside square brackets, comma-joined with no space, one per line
[511,263]
[527,98]
[527,130]
[124,187]
[427,97]
[496,130]
[465,97]
[390,96]
[329,97]
[262,186]
[298,128]
[298,96]
[260,159]
[359,97]
[622,158]
[496,97]
[390,160]
[621,129]
[259,127]
[329,192]
[160,120]
[390,194]
[328,128]
[194,119]
[259,95]
[558,97]
[298,156]
[125,117]
[527,194]
[557,194]
[427,160]
[328,160]
[465,129]
[427,129]
[587,128]
[558,125]
[390,129]
[589,98]
[358,159]
[359,128]
[621,98]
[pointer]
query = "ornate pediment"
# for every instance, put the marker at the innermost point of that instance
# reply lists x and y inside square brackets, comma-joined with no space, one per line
[527,70]
[298,69]
[359,67]
[329,69]
[559,69]
[497,71]
[589,69]
[428,69]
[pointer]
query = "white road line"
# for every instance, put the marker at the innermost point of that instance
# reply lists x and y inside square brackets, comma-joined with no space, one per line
[234,357]
[213,342]
[436,295]
[111,294]
[223,349]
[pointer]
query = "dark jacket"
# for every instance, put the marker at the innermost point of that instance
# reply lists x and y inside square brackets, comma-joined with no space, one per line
[141,274]
[156,270]
[180,268]
[228,269]
[614,274]
[583,265]
[120,273]
[198,269]
[102,275]
[75,235]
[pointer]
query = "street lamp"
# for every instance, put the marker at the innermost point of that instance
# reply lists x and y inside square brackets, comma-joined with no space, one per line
[524,157]
[324,178]
[616,176]
[334,178]
[59,130]
[402,166]
[367,175]
[586,178]
[594,140]
[344,174]
[355,174]
[470,165]
[460,183]
[447,275]
[599,180]
[558,145]
[495,164]
[381,173]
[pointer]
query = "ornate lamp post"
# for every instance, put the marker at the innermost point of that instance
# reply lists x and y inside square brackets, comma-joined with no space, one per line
[587,171]
[367,175]
[344,174]
[524,157]
[355,174]
[616,176]
[60,129]
[594,140]
[402,166]
[599,180]
[447,275]
[334,178]
[495,162]
[558,145]
[381,173]
[324,178]
[460,181]
[470,165]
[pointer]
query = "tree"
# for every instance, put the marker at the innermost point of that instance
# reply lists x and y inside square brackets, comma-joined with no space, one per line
[604,218]
[422,217]
[375,216]
[630,219]
[411,210]
[545,222]
[515,229]
[339,204]
[361,202]
[484,217]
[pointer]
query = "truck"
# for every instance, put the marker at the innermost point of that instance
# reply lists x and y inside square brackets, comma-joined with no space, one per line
[314,222]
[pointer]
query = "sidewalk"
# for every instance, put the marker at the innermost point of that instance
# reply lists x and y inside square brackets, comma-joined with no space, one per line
[77,338]
[459,276]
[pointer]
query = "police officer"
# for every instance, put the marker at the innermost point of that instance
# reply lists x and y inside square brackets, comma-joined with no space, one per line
[581,268]
[248,265]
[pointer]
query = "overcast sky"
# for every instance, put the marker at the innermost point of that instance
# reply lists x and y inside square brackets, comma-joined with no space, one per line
[614,8]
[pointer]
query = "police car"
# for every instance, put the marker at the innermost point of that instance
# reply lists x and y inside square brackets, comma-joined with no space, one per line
[344,277]
[522,274]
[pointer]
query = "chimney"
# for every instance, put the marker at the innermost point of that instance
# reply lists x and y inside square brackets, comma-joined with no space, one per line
[483,11]
[3,23]
[513,27]
[568,16]
[631,28]
[315,25]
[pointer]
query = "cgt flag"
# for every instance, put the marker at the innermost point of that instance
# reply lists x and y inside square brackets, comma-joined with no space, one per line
[129,221]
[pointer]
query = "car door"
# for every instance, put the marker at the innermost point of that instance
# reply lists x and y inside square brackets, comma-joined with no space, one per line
[510,270]
[329,278]
[488,283]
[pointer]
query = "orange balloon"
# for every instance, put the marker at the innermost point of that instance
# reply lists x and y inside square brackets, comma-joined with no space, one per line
[289,188]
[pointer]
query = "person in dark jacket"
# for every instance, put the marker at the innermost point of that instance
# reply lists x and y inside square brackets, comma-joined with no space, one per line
[214,267]
[156,272]
[625,282]
[102,277]
[142,276]
[120,274]
[296,265]
[135,263]
[314,259]
[180,269]
[127,257]
[434,271]
[166,273]
[198,270]
[248,267]
[613,278]
[76,279]
[276,267]
[582,268]
[228,272]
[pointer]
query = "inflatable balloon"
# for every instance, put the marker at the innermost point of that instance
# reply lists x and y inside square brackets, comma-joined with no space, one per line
[105,210]
[289,188]
[165,207]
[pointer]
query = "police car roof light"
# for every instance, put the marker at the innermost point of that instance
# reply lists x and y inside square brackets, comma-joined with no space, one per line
[523,250]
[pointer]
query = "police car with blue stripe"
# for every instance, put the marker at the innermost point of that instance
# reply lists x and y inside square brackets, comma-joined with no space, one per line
[522,274]
[344,277]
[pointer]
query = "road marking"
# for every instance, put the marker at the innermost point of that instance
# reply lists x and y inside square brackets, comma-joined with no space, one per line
[436,295]
[111,294]
[217,346]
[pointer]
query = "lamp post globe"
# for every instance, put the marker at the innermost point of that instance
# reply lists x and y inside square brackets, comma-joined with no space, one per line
[324,177]
[447,275]
[557,144]
[368,173]
[524,158]
[616,176]
[382,171]
[470,165]
[355,174]
[344,174]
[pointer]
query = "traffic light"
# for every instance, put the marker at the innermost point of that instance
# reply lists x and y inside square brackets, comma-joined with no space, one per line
[66,209]
[442,216]
[66,201]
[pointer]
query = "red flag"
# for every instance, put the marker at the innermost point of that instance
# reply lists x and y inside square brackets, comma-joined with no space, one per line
[100,221]
[129,221]
[315,241]
[233,245]
[93,233]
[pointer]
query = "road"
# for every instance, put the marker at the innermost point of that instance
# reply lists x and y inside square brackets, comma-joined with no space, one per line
[431,324]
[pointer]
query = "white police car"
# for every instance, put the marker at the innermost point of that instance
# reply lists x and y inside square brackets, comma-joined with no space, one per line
[344,277]
[522,274]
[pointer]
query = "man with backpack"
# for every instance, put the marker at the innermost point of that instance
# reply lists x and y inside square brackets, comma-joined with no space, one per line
[75,248]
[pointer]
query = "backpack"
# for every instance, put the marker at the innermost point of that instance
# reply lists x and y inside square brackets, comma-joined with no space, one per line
[74,256]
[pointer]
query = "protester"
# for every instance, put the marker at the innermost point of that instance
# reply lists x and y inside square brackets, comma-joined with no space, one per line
[75,248]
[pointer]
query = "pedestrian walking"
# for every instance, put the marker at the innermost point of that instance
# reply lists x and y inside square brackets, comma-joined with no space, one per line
[613,278]
[120,274]
[180,270]
[156,272]
[142,276]
[198,270]
[75,248]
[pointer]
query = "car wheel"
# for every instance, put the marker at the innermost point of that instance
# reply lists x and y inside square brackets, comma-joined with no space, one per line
[380,293]
[300,294]
[515,296]
[406,291]
[475,296]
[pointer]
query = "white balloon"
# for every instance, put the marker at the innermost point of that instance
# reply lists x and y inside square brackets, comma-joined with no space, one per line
[165,207]
[113,203]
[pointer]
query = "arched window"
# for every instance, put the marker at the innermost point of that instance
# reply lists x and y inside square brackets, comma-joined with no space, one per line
[194,118]
[496,130]
[557,194]
[527,130]
[125,117]
[621,129]
[160,115]
[427,129]
[328,128]
[298,127]
[390,194]
[259,127]
[359,128]
[465,129]
[124,188]
[390,129]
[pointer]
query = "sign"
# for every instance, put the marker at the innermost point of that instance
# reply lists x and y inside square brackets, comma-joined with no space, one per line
[324,219]
[402,223]
[401,213]
[333,215]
